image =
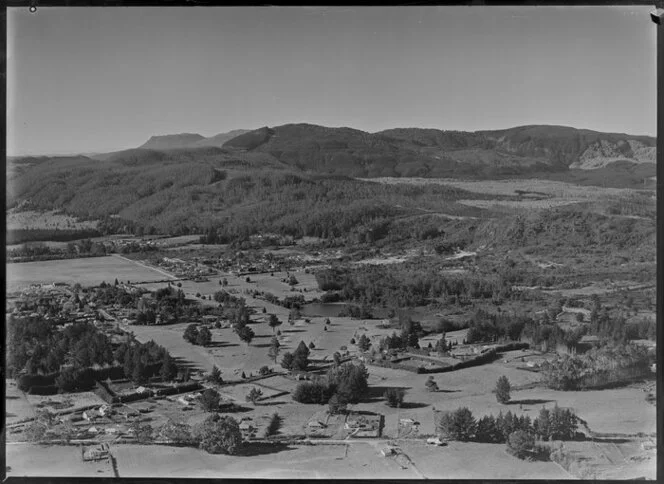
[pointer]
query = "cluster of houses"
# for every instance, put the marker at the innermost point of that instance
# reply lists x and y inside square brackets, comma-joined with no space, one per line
[186,269]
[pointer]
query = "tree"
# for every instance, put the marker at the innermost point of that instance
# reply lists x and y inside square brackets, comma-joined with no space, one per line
[300,357]
[458,425]
[254,395]
[465,425]
[364,343]
[312,345]
[142,432]
[273,352]
[350,381]
[204,336]
[292,281]
[168,369]
[431,384]
[487,430]
[177,432]
[336,357]
[521,443]
[191,333]
[413,340]
[210,400]
[264,370]
[274,425]
[337,404]
[503,388]
[215,375]
[224,281]
[287,361]
[246,334]
[327,321]
[220,435]
[35,431]
[394,397]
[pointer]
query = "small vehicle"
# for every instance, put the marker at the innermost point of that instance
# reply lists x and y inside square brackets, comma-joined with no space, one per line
[435,441]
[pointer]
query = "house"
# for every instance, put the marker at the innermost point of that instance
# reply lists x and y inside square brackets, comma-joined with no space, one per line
[183,401]
[97,453]
[316,424]
[93,430]
[387,451]
[91,415]
[105,410]
[408,421]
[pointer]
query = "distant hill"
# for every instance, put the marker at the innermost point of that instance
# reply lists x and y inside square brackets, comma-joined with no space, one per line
[170,141]
[221,138]
[273,176]
[188,140]
[435,153]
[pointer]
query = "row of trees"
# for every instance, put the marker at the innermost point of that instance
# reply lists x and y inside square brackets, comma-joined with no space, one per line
[556,424]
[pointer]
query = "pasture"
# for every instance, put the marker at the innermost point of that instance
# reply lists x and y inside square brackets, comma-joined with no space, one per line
[90,271]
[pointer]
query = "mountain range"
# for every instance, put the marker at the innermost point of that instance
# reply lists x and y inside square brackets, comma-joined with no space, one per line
[427,152]
[274,177]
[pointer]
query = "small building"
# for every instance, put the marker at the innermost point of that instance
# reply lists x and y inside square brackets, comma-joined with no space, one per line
[316,424]
[91,415]
[387,451]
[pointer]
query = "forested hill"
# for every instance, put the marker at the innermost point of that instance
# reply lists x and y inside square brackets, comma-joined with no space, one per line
[435,153]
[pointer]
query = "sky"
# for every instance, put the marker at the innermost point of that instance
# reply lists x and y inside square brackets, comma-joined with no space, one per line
[101,79]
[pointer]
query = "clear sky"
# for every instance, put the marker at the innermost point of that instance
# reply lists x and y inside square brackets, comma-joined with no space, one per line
[101,79]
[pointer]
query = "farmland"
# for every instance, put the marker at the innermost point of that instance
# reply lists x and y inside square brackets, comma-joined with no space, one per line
[88,271]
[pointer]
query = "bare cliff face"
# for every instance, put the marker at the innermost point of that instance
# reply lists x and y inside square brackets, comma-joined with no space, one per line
[603,152]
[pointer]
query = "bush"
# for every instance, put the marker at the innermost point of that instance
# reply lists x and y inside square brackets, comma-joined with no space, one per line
[264,370]
[394,397]
[313,392]
[521,443]
[220,435]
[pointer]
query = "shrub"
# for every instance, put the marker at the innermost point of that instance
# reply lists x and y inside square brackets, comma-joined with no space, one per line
[313,392]
[521,443]
[264,370]
[220,435]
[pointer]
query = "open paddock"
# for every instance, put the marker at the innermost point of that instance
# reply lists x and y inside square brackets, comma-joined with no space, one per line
[261,461]
[89,271]
[32,460]
[611,459]
[468,460]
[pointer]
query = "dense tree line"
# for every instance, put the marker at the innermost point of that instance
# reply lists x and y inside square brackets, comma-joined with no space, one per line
[609,364]
[555,424]
[405,285]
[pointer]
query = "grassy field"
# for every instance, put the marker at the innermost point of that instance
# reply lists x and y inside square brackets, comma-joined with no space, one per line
[86,271]
[508,187]
[477,461]
[30,460]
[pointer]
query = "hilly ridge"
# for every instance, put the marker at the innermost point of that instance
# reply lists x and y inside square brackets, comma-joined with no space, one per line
[437,153]
[273,177]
